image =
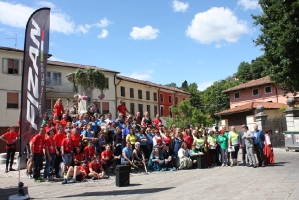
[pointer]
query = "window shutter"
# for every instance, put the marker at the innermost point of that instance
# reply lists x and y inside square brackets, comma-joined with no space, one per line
[5,65]
[13,98]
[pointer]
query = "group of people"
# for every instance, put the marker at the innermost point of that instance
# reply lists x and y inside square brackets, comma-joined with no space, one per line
[81,146]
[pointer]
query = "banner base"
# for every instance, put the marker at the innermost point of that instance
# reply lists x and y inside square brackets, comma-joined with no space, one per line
[18,197]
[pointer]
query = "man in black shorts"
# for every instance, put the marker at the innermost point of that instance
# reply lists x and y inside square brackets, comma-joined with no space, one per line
[78,173]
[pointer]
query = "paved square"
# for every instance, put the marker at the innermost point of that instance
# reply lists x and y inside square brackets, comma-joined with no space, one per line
[279,181]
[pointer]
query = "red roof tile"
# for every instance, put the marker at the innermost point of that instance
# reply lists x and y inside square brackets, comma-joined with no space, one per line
[253,83]
[251,106]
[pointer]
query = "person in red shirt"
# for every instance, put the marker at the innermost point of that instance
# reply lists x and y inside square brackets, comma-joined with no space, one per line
[76,138]
[108,158]
[122,108]
[78,157]
[64,121]
[10,138]
[58,109]
[67,151]
[187,137]
[58,138]
[50,151]
[89,151]
[36,149]
[78,172]
[157,121]
[96,170]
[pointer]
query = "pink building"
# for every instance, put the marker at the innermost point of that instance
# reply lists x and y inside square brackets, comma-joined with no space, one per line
[246,97]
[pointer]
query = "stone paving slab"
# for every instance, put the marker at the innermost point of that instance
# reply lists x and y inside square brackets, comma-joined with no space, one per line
[279,181]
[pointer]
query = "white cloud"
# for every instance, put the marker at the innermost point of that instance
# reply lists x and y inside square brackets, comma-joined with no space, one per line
[142,74]
[60,21]
[179,6]
[103,34]
[53,58]
[102,24]
[145,33]
[215,25]
[249,4]
[204,85]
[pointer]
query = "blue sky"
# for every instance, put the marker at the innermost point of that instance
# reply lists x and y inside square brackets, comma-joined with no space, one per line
[161,41]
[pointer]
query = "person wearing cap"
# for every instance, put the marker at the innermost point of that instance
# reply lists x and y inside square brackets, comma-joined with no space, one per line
[156,160]
[50,153]
[138,155]
[169,158]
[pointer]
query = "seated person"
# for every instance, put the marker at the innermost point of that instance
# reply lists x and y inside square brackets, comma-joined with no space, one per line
[102,142]
[194,154]
[156,160]
[108,158]
[138,155]
[78,157]
[89,135]
[78,172]
[169,158]
[184,162]
[96,170]
[89,151]
[127,153]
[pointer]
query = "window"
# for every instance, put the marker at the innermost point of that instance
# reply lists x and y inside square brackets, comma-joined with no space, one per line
[268,89]
[183,99]
[131,92]
[132,108]
[148,109]
[140,109]
[12,100]
[176,100]
[105,107]
[170,113]
[56,78]
[48,104]
[161,97]
[122,91]
[237,95]
[161,111]
[139,94]
[148,95]
[170,99]
[155,96]
[107,83]
[10,66]
[255,91]
[155,110]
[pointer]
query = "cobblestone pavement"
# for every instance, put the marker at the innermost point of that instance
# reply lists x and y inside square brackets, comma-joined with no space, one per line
[278,181]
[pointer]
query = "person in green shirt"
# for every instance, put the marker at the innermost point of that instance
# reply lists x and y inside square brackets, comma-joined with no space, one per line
[234,140]
[222,141]
[212,140]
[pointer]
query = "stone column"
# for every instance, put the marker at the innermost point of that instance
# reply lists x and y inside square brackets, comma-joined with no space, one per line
[292,114]
[260,117]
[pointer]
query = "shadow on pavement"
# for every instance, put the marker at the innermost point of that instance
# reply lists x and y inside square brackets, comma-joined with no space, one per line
[5,193]
[278,164]
[120,192]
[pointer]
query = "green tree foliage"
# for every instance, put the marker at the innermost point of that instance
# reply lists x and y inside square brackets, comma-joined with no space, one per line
[279,23]
[172,85]
[244,72]
[184,85]
[213,100]
[187,114]
[259,67]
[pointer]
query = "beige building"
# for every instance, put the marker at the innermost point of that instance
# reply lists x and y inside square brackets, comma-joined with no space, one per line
[138,95]
[57,86]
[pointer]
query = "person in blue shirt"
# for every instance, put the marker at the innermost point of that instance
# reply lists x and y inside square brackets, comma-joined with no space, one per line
[127,152]
[150,135]
[142,138]
[94,125]
[258,140]
[125,132]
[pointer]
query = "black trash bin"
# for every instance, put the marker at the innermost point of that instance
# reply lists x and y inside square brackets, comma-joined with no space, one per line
[122,175]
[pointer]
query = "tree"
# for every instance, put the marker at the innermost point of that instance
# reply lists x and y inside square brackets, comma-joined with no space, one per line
[192,88]
[184,85]
[258,67]
[244,73]
[279,23]
[186,114]
[172,85]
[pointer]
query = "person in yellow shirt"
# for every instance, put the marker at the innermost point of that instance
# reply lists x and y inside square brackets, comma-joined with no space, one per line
[234,142]
[131,137]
